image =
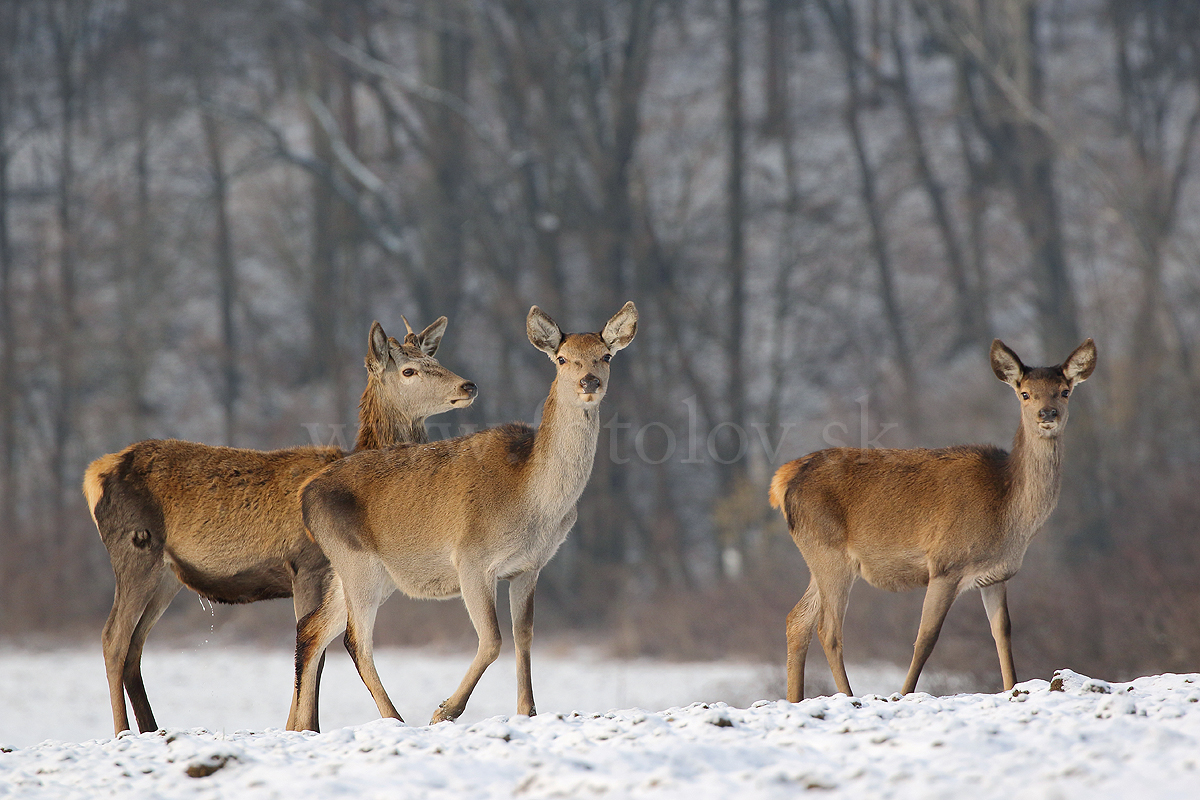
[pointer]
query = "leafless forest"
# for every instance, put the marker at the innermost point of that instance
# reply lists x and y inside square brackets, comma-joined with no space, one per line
[824,209]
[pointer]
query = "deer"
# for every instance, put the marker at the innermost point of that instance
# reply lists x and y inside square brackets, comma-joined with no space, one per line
[455,517]
[949,519]
[225,522]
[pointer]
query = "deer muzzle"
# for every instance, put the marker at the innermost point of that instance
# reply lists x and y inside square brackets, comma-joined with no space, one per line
[469,391]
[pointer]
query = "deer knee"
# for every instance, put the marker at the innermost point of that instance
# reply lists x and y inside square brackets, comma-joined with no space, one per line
[801,616]
[312,636]
[489,649]
[831,636]
[794,618]
[116,636]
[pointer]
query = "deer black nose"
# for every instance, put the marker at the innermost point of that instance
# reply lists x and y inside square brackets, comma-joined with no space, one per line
[590,383]
[1048,415]
[470,388]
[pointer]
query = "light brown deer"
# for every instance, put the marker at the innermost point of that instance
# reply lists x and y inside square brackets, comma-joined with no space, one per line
[454,518]
[949,519]
[226,522]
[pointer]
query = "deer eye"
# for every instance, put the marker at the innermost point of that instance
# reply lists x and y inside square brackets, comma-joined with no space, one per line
[1066,392]
[562,360]
[606,357]
[1024,395]
[408,372]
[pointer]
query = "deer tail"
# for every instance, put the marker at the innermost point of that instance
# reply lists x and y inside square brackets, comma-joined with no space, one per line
[781,482]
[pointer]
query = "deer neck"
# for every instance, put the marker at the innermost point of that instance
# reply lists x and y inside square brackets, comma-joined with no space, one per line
[1034,478]
[381,426]
[564,449]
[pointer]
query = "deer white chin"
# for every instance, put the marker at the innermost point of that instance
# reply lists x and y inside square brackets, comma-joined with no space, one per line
[1048,430]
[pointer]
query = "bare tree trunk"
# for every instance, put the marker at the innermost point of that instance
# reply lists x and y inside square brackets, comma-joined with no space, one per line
[974,329]
[522,64]
[445,66]
[845,30]
[788,252]
[141,268]
[8,378]
[775,75]
[735,217]
[976,195]
[349,247]
[1008,51]
[67,21]
[226,272]
[324,300]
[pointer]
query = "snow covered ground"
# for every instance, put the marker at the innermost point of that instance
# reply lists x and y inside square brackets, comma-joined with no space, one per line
[1073,738]
[63,694]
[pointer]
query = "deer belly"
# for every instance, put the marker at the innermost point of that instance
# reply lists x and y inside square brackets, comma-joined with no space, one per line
[437,581]
[239,582]
[894,570]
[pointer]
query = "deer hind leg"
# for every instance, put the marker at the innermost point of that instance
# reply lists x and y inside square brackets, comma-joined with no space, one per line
[308,590]
[138,575]
[834,578]
[520,601]
[479,595]
[801,621]
[939,596]
[995,603]
[314,632]
[168,587]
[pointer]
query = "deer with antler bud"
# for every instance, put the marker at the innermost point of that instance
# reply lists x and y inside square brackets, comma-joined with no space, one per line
[225,522]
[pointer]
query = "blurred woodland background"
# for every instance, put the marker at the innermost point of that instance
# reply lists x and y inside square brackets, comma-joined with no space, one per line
[824,210]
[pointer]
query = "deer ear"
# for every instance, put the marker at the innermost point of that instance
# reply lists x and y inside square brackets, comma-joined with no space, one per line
[429,339]
[1079,365]
[543,332]
[1006,364]
[378,349]
[620,330]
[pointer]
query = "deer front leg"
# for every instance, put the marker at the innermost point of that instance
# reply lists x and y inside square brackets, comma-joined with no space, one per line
[939,596]
[479,595]
[364,594]
[520,601]
[995,603]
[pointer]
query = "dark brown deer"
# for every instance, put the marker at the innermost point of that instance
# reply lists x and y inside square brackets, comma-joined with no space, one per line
[226,522]
[950,519]
[454,518]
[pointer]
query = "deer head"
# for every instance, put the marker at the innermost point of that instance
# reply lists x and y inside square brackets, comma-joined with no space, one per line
[582,358]
[411,379]
[1043,391]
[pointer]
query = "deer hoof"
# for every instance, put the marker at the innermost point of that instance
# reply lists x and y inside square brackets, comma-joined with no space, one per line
[443,714]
